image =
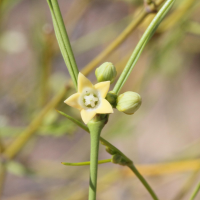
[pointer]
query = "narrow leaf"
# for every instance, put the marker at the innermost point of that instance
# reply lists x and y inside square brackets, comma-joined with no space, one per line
[74,120]
[86,163]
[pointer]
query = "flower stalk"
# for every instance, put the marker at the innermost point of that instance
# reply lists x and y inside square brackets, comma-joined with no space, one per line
[95,128]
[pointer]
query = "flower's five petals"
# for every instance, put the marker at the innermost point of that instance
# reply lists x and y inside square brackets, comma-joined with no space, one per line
[73,101]
[87,115]
[83,82]
[90,98]
[103,88]
[104,107]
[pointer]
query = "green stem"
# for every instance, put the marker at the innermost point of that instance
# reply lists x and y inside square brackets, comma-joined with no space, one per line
[45,70]
[63,40]
[144,182]
[75,121]
[22,139]
[95,131]
[86,163]
[194,194]
[141,44]
[103,141]
[114,150]
[2,168]
[188,184]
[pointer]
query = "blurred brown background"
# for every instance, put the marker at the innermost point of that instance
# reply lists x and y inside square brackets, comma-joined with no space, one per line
[165,129]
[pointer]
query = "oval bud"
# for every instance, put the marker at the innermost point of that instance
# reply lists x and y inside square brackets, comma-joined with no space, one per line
[129,102]
[106,72]
[118,159]
[110,151]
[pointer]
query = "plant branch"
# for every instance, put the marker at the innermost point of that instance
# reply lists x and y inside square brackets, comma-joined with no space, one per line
[143,181]
[86,163]
[22,139]
[141,44]
[2,168]
[63,40]
[196,190]
[115,151]
[188,184]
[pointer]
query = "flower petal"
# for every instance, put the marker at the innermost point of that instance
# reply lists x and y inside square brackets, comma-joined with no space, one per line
[103,88]
[83,82]
[73,101]
[87,115]
[105,107]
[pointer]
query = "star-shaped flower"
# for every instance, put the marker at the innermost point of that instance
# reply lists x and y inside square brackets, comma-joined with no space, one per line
[90,99]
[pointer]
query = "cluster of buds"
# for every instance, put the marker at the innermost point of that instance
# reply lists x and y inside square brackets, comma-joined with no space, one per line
[91,99]
[128,102]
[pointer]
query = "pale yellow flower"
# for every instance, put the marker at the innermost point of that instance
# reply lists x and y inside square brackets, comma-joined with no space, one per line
[90,99]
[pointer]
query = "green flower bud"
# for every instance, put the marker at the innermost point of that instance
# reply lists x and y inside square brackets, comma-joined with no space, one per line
[129,102]
[106,72]
[112,98]
[118,159]
[110,151]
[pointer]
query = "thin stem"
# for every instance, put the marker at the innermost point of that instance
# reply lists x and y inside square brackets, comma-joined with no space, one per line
[75,121]
[66,38]
[137,20]
[180,14]
[127,31]
[86,163]
[2,168]
[75,12]
[196,190]
[141,44]
[95,131]
[63,40]
[45,69]
[114,149]
[189,183]
[22,139]
[1,146]
[144,182]
[103,141]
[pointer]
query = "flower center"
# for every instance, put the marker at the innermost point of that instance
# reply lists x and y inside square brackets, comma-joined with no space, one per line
[90,100]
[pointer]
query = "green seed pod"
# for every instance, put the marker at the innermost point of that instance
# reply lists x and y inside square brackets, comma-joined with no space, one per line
[106,72]
[129,102]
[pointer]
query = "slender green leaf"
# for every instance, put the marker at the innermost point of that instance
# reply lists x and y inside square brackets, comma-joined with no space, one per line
[196,191]
[86,163]
[75,121]
[63,40]
[141,44]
